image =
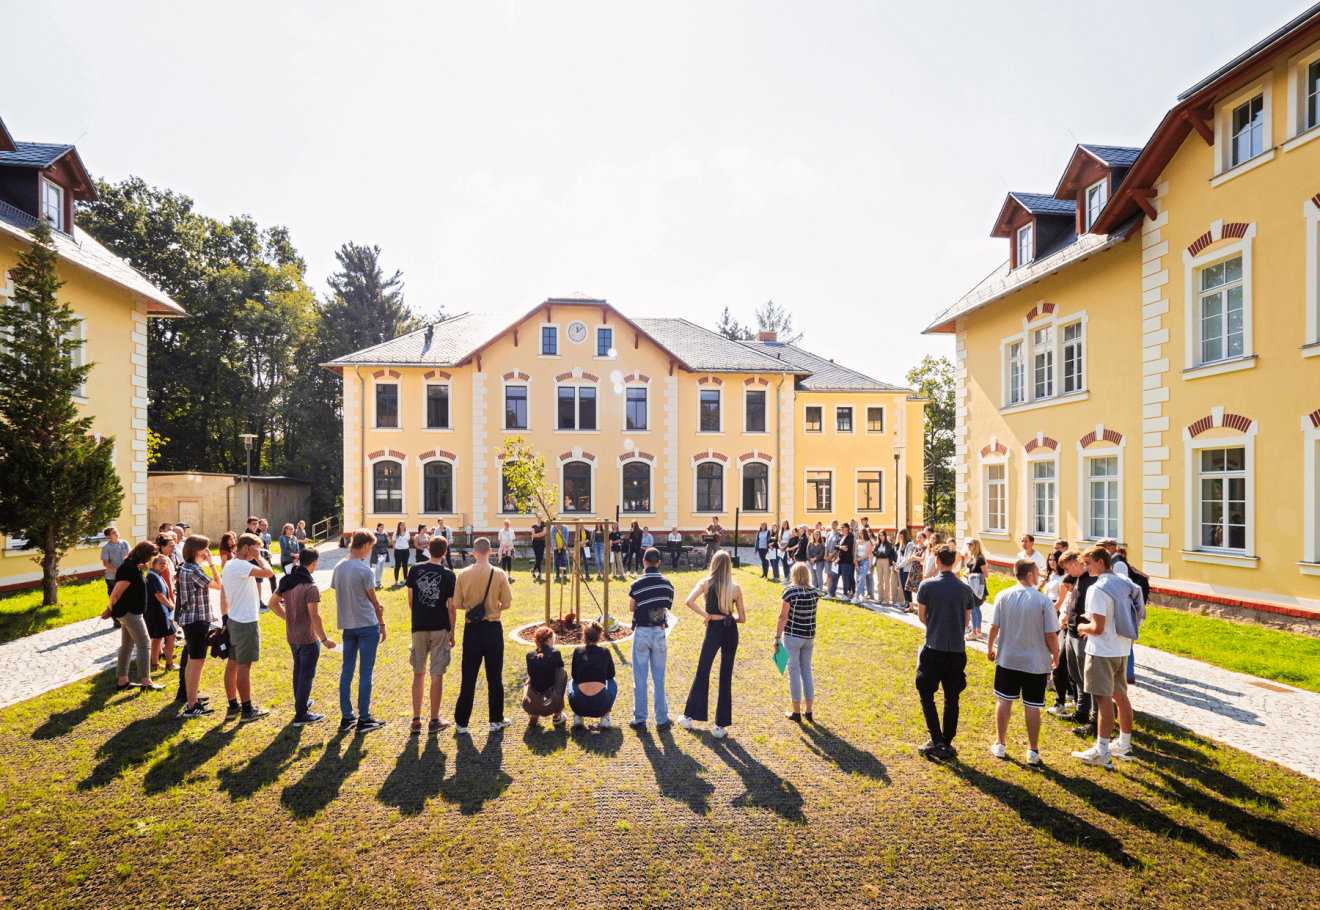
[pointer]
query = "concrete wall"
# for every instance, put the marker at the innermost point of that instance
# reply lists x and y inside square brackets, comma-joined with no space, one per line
[215,503]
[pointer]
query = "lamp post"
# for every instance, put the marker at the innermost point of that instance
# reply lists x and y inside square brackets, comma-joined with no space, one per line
[247,444]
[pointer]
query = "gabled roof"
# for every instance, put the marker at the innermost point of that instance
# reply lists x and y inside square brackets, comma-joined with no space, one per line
[6,141]
[824,375]
[452,341]
[1032,204]
[705,351]
[34,154]
[1112,155]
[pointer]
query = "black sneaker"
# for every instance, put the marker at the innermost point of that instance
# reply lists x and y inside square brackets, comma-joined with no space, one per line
[347,724]
[1085,729]
[367,724]
[927,747]
[234,708]
[254,712]
[198,710]
[308,718]
[942,752]
[665,725]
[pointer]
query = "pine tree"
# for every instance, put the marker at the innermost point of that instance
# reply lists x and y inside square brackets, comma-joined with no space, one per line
[366,308]
[57,484]
[731,328]
[771,317]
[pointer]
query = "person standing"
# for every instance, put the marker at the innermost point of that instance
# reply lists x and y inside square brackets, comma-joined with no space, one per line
[598,549]
[845,562]
[402,545]
[421,545]
[650,598]
[300,533]
[723,612]
[361,620]
[714,537]
[943,602]
[816,561]
[538,549]
[159,615]
[290,547]
[380,553]
[773,555]
[786,552]
[506,538]
[885,560]
[1119,566]
[559,542]
[483,593]
[195,615]
[1075,642]
[616,551]
[1106,659]
[297,601]
[441,530]
[1067,691]
[1024,647]
[431,602]
[796,634]
[829,574]
[633,561]
[239,589]
[263,531]
[903,552]
[862,582]
[128,601]
[977,581]
[675,541]
[113,552]
[916,568]
[1029,551]
[761,546]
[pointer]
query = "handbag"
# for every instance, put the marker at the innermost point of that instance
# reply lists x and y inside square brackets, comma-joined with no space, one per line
[218,641]
[478,613]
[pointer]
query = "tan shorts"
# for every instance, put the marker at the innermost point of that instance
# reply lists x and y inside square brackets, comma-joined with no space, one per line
[434,645]
[1105,676]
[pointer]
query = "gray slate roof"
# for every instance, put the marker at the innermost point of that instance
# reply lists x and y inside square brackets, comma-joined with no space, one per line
[34,154]
[1043,204]
[1114,155]
[825,375]
[451,343]
[704,350]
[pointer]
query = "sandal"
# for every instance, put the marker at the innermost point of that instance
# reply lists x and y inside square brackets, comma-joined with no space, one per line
[436,725]
[416,726]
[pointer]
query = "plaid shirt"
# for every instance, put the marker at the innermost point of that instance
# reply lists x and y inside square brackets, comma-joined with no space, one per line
[194,603]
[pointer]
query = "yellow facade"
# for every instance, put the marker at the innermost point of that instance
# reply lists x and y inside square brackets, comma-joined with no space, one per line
[670,451]
[1167,384]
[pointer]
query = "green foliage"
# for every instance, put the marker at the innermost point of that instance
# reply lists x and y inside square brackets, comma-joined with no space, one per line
[731,328]
[769,317]
[154,443]
[525,479]
[58,485]
[932,379]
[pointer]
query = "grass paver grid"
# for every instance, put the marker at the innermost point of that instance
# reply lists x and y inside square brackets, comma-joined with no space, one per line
[110,800]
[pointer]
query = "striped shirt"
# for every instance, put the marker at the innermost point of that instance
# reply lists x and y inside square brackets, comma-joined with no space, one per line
[194,603]
[801,611]
[654,595]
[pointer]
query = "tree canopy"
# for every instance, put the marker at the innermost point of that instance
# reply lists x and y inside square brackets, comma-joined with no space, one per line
[933,379]
[768,317]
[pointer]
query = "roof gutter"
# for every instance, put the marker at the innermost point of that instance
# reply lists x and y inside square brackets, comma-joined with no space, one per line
[362,445]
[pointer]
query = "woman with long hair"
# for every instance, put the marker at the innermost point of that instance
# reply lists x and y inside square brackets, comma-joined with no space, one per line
[128,601]
[883,558]
[401,547]
[543,695]
[159,614]
[977,581]
[904,550]
[722,612]
[816,560]
[916,569]
[785,554]
[195,614]
[862,588]
[228,544]
[761,546]
[290,546]
[633,561]
[421,545]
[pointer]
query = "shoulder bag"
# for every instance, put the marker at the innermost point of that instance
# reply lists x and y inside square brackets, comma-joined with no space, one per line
[478,613]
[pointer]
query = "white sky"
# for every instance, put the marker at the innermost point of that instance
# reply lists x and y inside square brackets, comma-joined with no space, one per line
[845,159]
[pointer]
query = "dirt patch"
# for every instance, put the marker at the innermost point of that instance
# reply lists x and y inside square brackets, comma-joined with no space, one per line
[570,633]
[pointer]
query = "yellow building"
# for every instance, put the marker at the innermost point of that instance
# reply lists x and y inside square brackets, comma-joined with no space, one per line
[1146,365]
[113,303]
[669,423]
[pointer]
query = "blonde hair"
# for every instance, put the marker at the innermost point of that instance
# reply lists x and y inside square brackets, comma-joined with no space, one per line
[973,548]
[720,580]
[801,575]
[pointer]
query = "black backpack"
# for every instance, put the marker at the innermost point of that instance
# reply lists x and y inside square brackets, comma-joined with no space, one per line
[1142,581]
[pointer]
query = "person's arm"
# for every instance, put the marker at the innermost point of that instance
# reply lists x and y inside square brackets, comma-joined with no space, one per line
[504,597]
[990,644]
[738,602]
[453,620]
[783,621]
[692,599]
[276,606]
[314,614]
[1095,627]
[610,660]
[118,592]
[108,567]
[1052,639]
[262,568]
[380,611]
[921,607]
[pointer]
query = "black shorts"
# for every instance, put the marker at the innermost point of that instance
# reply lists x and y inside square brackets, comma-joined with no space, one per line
[1011,685]
[194,639]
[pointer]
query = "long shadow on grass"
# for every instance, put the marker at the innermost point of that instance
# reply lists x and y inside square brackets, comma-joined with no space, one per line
[185,757]
[1060,824]
[605,743]
[100,692]
[1106,800]
[264,768]
[319,786]
[546,738]
[130,747]
[1197,767]
[765,788]
[417,776]
[677,773]
[850,759]
[478,776]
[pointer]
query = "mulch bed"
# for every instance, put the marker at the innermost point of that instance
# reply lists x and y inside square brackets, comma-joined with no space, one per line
[570,633]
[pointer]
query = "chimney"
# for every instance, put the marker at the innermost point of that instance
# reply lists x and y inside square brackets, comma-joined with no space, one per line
[767,336]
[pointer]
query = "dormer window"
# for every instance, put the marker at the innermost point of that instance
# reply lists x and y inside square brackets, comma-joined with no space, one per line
[1248,130]
[1096,196]
[52,204]
[1313,95]
[1025,244]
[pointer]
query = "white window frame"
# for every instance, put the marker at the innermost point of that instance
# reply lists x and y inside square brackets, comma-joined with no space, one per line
[808,500]
[591,468]
[79,357]
[987,529]
[426,398]
[1025,236]
[403,485]
[1310,562]
[1041,455]
[1101,187]
[576,384]
[1084,457]
[504,385]
[421,487]
[857,501]
[375,418]
[769,485]
[623,421]
[595,341]
[1299,130]
[1056,323]
[805,428]
[1042,361]
[747,393]
[852,419]
[1192,549]
[1224,168]
[1063,345]
[499,488]
[1192,265]
[650,466]
[718,390]
[881,409]
[559,341]
[56,223]
[1311,212]
[724,487]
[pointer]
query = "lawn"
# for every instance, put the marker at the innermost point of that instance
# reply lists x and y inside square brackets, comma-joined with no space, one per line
[21,612]
[113,800]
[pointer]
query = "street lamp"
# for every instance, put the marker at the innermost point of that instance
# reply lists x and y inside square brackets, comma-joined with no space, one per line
[247,444]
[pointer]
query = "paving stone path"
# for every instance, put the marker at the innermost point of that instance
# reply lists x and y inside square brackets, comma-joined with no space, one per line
[1265,718]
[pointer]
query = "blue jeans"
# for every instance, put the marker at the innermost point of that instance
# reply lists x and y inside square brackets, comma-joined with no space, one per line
[976,618]
[382,560]
[864,577]
[1132,663]
[364,642]
[816,577]
[801,682]
[650,651]
[597,705]
[305,658]
[774,564]
[599,550]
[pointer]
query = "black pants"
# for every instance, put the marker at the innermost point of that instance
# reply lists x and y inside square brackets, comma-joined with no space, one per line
[936,669]
[538,551]
[765,562]
[482,640]
[506,563]
[1062,683]
[673,557]
[400,565]
[721,638]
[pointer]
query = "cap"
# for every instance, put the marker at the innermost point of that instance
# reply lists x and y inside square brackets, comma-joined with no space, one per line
[1107,542]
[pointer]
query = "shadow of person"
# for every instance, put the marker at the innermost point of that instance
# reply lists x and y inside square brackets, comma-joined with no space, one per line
[764,788]
[546,738]
[478,776]
[99,693]
[417,776]
[1066,828]
[605,743]
[851,760]
[1189,764]
[1133,812]
[264,768]
[676,773]
[319,786]
[185,757]
[131,746]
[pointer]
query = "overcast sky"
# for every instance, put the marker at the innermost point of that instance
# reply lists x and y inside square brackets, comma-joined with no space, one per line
[844,159]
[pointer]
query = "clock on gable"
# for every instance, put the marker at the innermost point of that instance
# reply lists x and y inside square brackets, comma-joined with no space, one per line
[577,331]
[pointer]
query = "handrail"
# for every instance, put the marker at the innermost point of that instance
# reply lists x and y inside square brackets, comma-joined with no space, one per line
[330,527]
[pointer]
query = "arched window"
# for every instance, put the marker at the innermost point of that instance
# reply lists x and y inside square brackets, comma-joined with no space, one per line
[756,488]
[636,487]
[388,485]
[710,487]
[508,503]
[577,487]
[438,488]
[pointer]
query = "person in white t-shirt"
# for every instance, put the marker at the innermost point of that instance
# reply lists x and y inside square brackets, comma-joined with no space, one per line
[506,537]
[1029,551]
[1106,662]
[242,612]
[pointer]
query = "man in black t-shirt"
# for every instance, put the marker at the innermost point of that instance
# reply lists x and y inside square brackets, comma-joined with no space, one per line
[943,604]
[431,600]
[1074,644]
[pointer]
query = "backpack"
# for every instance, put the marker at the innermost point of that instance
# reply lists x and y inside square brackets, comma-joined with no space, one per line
[1142,581]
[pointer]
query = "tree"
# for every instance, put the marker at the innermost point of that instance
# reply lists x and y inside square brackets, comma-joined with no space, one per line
[524,477]
[731,328]
[933,379]
[58,484]
[771,317]
[366,308]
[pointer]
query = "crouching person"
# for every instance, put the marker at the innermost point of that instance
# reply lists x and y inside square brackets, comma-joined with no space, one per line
[592,691]
[297,601]
[543,696]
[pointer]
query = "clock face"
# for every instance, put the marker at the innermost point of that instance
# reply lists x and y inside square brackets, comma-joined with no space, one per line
[577,332]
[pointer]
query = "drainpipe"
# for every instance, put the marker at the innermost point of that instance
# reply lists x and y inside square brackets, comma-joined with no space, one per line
[362,446]
[779,463]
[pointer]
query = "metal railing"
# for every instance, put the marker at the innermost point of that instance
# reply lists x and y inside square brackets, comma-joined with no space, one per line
[326,528]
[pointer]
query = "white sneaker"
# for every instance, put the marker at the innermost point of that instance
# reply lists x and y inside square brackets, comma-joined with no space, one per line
[578,721]
[999,750]
[1057,710]
[1121,751]
[559,718]
[462,730]
[719,732]
[1093,756]
[606,723]
[684,721]
[497,725]
[1033,757]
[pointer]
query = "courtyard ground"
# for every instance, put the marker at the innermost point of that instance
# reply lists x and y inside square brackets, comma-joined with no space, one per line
[110,800]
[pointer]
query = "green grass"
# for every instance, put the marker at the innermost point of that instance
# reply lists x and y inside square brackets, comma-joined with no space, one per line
[21,612]
[110,799]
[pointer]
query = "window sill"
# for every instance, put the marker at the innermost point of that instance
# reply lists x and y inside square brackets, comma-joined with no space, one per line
[1310,568]
[756,432]
[845,432]
[709,433]
[1238,170]
[437,429]
[576,432]
[1223,366]
[813,432]
[1302,138]
[875,432]
[514,430]
[1311,350]
[17,552]
[637,514]
[1046,402]
[80,399]
[635,432]
[1241,561]
[994,535]
[549,356]
[387,429]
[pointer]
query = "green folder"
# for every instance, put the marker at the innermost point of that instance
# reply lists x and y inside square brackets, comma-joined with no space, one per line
[781,658]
